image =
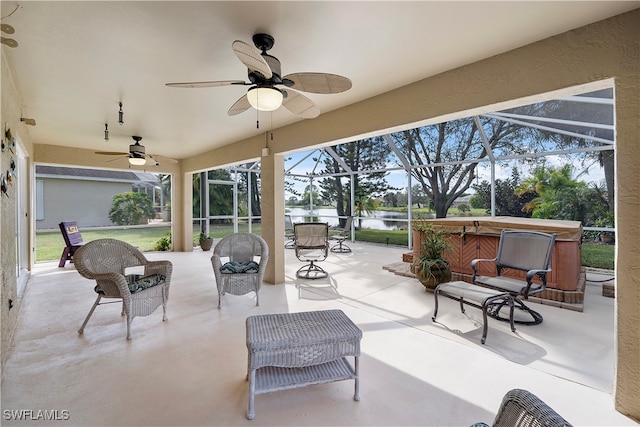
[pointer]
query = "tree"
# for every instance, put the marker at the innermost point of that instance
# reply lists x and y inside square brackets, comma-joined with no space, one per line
[454,141]
[130,208]
[220,196]
[165,188]
[256,209]
[585,114]
[366,154]
[418,196]
[559,196]
[310,193]
[507,202]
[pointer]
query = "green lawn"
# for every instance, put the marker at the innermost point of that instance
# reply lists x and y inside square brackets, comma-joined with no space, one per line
[597,255]
[49,244]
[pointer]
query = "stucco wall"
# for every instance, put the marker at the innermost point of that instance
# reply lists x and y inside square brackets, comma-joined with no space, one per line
[10,118]
[86,202]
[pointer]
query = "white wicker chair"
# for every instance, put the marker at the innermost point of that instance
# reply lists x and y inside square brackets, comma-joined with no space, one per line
[234,265]
[105,261]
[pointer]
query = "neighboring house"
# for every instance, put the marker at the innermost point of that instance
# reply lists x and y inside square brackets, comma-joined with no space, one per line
[461,200]
[83,195]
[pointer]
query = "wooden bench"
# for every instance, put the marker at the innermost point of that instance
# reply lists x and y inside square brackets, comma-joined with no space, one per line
[72,239]
[475,296]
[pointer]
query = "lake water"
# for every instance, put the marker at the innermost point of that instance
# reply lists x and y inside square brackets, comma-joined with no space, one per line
[377,220]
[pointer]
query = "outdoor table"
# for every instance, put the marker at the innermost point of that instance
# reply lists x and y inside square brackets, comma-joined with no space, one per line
[290,350]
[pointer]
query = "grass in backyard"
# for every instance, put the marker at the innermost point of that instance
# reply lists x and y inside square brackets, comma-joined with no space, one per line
[49,244]
[598,255]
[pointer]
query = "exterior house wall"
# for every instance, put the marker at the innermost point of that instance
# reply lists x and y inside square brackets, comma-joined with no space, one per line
[85,201]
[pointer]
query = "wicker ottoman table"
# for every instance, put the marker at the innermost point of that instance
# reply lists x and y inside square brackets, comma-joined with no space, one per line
[291,350]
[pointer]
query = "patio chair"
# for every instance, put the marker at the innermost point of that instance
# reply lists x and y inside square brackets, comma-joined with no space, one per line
[526,251]
[288,232]
[311,245]
[521,408]
[235,267]
[343,233]
[72,240]
[106,262]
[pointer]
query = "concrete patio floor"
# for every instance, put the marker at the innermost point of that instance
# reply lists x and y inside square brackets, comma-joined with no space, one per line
[190,370]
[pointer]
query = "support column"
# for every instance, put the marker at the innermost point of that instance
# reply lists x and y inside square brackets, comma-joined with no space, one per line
[272,206]
[627,329]
[182,212]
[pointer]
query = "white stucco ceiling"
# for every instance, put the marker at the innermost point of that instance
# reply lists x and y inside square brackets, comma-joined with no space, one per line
[76,60]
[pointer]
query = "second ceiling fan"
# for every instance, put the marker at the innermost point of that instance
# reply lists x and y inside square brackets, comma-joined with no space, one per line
[269,89]
[137,155]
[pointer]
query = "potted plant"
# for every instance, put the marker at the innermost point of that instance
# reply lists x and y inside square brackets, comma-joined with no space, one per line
[205,241]
[430,266]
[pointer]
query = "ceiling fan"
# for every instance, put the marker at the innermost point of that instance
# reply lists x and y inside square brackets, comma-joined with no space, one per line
[269,90]
[136,154]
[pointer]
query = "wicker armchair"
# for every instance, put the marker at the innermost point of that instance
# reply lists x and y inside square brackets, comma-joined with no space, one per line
[105,261]
[521,408]
[234,265]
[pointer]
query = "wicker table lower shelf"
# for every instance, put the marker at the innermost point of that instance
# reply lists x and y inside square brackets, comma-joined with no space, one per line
[271,378]
[291,350]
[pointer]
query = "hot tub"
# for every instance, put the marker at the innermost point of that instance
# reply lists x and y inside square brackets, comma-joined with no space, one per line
[478,237]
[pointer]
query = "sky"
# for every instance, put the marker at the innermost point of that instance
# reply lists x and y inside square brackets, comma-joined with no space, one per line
[399,179]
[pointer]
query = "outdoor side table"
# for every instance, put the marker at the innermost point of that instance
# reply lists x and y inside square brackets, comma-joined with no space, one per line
[290,350]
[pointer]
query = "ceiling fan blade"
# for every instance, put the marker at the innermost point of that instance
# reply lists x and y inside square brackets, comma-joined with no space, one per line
[251,58]
[208,84]
[319,82]
[240,106]
[112,153]
[117,158]
[156,157]
[300,105]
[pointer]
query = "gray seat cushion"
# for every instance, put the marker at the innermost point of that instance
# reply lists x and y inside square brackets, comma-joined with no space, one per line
[232,267]
[137,282]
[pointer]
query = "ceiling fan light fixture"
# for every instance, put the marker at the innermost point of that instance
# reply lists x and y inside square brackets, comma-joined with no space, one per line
[136,160]
[265,98]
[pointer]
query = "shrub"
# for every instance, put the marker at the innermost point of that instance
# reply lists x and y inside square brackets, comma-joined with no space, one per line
[464,208]
[130,208]
[164,244]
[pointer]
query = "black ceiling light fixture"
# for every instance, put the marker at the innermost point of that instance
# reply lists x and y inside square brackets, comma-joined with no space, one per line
[137,155]
[120,115]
